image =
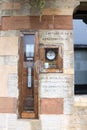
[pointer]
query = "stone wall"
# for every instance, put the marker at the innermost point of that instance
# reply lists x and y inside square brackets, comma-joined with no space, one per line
[59,108]
[56,89]
[8,78]
[56,97]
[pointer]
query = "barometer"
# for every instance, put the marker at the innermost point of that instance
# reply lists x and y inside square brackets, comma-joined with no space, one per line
[50,55]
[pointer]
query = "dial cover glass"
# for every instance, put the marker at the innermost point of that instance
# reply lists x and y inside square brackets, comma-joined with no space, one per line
[50,55]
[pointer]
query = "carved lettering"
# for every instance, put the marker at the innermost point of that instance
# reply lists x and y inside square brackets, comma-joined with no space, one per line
[54,36]
[56,86]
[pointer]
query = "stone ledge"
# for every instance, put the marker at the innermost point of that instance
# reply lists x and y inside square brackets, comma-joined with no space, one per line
[58,11]
[10,33]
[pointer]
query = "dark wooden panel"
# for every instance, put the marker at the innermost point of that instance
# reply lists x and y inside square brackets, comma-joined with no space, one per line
[33,22]
[28,98]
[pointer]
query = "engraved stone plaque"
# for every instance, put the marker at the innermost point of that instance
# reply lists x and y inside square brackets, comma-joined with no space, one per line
[56,86]
[54,36]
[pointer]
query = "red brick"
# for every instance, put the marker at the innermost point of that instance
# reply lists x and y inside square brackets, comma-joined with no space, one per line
[8,105]
[51,106]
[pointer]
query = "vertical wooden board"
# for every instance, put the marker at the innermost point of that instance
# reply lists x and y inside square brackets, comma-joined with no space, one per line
[36,58]
[20,66]
[42,57]
[60,58]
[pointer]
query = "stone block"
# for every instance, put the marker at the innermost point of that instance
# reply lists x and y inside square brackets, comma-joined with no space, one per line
[8,60]
[80,101]
[23,125]
[8,105]
[3,121]
[13,85]
[57,11]
[68,106]
[10,5]
[22,22]
[61,37]
[4,72]
[56,86]
[69,71]
[51,122]
[55,122]
[68,60]
[9,46]
[68,43]
[35,125]
[9,33]
[80,110]
[51,106]
[11,121]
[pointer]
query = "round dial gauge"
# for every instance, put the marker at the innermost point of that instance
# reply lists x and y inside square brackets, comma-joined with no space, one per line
[50,55]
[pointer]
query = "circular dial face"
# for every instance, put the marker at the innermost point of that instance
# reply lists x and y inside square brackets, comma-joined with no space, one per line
[50,55]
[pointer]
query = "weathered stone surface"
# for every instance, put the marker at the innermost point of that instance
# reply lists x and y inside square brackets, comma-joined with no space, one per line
[61,38]
[80,101]
[23,125]
[51,106]
[37,23]
[80,110]
[55,122]
[56,37]
[56,86]
[10,5]
[3,121]
[79,118]
[68,106]
[11,121]
[10,33]
[8,105]
[36,125]
[9,60]
[4,71]
[51,122]
[13,85]
[52,85]
[69,71]
[9,45]
[68,60]
[68,43]
[24,8]
[75,111]
[57,11]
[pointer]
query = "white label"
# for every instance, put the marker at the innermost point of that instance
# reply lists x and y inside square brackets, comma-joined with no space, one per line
[29,77]
[29,81]
[46,65]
